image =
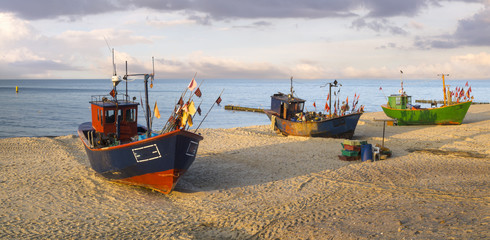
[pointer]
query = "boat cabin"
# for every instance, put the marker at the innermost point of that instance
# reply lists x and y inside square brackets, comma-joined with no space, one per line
[399,101]
[118,117]
[286,106]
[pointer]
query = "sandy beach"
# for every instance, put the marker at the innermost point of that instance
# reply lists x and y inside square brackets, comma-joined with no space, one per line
[250,183]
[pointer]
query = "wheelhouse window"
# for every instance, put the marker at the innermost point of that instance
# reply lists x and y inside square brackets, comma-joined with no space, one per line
[130,115]
[110,116]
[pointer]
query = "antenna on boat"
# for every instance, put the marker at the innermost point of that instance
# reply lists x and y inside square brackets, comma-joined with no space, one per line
[292,91]
[401,81]
[330,85]
[444,87]
[126,81]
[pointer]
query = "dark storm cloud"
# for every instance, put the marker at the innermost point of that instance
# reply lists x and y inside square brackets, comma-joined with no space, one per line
[218,9]
[46,9]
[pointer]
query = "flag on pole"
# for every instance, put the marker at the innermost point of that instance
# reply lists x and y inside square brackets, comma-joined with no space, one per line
[199,109]
[155,110]
[466,85]
[218,101]
[192,108]
[189,121]
[198,92]
[328,96]
[326,106]
[192,85]
[185,116]
[181,102]
[113,93]
[314,105]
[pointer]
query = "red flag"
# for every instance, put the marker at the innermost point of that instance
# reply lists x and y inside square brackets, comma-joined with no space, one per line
[466,85]
[468,93]
[192,85]
[326,106]
[113,93]
[380,88]
[218,101]
[314,105]
[358,96]
[199,110]
[181,102]
[328,96]
[469,89]
[347,100]
[198,92]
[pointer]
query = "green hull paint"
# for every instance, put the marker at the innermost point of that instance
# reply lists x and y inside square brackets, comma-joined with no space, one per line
[453,114]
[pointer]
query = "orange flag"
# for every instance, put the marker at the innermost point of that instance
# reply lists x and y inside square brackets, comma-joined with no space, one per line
[155,110]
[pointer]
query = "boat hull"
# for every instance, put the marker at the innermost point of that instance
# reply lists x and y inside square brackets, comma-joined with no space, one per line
[446,115]
[340,127]
[156,162]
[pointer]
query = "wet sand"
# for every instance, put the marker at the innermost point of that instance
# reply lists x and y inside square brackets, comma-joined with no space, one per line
[250,183]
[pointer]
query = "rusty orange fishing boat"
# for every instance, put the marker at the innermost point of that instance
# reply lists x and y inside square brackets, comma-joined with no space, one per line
[288,117]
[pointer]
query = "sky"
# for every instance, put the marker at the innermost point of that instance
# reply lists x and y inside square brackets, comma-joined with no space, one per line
[245,39]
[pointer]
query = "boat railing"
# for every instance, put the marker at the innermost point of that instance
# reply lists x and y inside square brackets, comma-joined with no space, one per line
[108,98]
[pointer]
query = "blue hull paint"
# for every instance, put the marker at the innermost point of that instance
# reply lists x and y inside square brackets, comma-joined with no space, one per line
[339,127]
[174,150]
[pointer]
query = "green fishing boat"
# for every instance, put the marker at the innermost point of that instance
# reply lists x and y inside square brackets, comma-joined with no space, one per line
[452,112]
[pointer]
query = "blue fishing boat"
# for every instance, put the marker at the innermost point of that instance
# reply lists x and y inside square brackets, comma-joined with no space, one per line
[122,151]
[288,117]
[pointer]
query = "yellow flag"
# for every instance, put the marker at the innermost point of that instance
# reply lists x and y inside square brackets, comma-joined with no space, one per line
[192,108]
[185,116]
[156,113]
[189,121]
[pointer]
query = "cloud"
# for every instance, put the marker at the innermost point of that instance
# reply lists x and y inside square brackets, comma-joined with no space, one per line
[161,23]
[218,9]
[381,25]
[473,31]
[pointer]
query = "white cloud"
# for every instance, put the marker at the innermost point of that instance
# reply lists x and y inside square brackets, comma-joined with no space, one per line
[13,28]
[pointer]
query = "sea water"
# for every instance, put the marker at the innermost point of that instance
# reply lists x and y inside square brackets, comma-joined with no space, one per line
[56,107]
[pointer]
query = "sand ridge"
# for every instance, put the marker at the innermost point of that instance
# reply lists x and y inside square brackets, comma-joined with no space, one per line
[250,183]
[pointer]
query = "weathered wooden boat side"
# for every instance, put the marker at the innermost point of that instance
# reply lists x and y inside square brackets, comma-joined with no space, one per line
[339,127]
[445,115]
[287,115]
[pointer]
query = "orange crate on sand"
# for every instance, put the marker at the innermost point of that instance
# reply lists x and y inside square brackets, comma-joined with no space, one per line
[352,148]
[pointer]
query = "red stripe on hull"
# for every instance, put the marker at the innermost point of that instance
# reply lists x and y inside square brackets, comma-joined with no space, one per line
[163,182]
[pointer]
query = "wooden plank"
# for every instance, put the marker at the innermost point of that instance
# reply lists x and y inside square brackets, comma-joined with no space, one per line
[245,109]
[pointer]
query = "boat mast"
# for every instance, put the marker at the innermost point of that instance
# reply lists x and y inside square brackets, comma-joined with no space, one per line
[401,81]
[115,81]
[127,97]
[444,87]
[292,86]
[330,85]
[146,76]
[147,106]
